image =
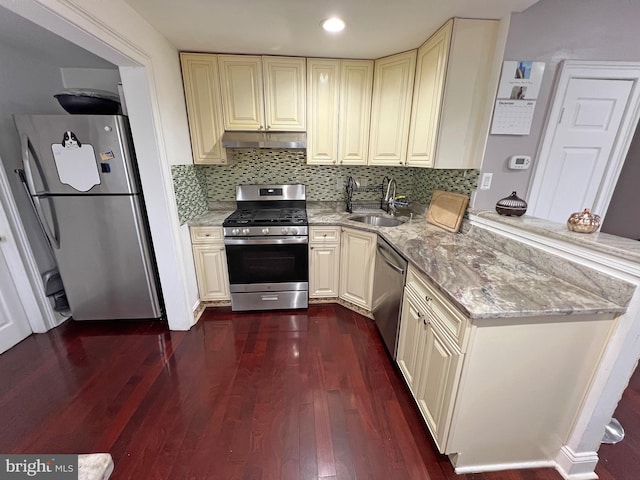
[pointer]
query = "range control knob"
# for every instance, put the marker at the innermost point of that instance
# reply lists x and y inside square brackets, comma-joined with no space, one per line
[285,230]
[235,231]
[245,231]
[265,231]
[294,231]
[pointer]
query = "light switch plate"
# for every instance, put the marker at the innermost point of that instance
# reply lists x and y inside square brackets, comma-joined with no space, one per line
[485,184]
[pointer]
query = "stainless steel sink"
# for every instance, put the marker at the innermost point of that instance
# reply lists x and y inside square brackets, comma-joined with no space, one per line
[377,220]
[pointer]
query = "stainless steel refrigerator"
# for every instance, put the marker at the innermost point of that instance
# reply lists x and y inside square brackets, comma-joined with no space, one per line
[83,179]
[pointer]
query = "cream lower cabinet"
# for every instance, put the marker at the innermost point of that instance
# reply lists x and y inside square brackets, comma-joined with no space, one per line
[357,262]
[429,359]
[324,262]
[495,391]
[210,262]
[204,107]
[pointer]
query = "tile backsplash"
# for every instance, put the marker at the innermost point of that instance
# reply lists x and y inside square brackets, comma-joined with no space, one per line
[324,183]
[190,191]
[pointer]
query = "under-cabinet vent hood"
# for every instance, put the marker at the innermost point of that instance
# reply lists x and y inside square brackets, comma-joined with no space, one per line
[264,140]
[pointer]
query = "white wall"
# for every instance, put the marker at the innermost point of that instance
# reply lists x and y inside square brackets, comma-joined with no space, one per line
[552,31]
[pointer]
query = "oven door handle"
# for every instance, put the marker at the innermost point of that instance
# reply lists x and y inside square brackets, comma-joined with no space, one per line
[267,240]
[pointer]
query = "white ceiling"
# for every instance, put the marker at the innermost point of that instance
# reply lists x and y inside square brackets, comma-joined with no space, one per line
[375,28]
[34,41]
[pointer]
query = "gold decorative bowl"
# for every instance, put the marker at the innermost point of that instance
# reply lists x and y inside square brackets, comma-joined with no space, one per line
[583,222]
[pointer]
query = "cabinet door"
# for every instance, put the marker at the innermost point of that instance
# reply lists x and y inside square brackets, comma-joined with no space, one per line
[202,95]
[242,92]
[322,111]
[324,270]
[411,340]
[427,97]
[357,259]
[211,272]
[284,93]
[356,83]
[437,382]
[391,108]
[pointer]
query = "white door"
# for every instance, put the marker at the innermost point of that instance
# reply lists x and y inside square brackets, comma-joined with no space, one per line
[570,176]
[14,324]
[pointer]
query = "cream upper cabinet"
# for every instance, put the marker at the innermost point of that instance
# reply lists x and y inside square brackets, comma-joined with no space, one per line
[357,260]
[456,79]
[284,93]
[338,111]
[263,93]
[323,104]
[356,84]
[391,108]
[204,108]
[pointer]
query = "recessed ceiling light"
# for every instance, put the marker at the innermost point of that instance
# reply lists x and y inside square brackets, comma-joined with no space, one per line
[333,24]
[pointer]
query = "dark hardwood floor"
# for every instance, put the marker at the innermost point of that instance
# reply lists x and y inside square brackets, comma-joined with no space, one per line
[279,395]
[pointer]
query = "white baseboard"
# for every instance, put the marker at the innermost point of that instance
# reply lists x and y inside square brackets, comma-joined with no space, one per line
[576,466]
[495,467]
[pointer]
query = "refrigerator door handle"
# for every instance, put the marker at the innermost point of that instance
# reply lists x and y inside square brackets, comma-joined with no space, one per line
[24,141]
[52,233]
[31,188]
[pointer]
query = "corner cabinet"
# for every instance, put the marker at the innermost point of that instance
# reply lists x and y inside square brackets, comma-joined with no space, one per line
[210,262]
[324,262]
[263,93]
[495,391]
[393,79]
[456,79]
[204,107]
[338,111]
[357,262]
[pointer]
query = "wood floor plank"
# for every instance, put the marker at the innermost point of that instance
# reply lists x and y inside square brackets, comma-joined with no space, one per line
[309,394]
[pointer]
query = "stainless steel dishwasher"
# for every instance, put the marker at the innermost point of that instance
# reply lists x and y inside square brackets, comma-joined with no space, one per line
[390,273]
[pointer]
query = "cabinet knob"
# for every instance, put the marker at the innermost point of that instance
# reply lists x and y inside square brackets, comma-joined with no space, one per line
[427,298]
[260,127]
[401,163]
[425,321]
[310,248]
[324,235]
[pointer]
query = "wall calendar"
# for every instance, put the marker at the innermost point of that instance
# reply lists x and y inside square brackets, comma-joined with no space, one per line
[516,99]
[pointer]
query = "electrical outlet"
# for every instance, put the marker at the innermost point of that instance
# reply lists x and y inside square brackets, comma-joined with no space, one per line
[485,184]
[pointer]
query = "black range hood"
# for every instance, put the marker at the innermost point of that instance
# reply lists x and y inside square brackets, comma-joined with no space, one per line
[264,140]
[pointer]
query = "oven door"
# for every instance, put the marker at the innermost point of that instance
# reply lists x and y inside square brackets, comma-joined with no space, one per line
[262,264]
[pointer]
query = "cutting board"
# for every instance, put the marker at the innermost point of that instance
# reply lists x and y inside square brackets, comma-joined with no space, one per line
[447,209]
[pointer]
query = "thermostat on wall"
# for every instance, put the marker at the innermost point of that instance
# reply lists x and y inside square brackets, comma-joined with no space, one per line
[519,162]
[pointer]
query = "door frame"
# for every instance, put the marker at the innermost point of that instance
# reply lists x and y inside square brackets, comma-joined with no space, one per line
[574,69]
[95,29]
[23,267]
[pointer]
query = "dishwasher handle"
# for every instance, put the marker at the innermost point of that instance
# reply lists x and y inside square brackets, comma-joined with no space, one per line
[389,261]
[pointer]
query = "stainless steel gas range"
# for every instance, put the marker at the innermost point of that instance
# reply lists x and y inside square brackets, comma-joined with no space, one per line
[266,240]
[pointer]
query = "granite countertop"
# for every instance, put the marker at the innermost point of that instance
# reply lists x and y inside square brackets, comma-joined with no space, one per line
[620,247]
[481,281]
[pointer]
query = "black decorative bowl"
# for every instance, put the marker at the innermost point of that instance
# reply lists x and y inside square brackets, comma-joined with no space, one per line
[511,205]
[88,102]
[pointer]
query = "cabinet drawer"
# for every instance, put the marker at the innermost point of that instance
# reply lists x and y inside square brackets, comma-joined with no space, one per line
[324,234]
[448,317]
[206,234]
